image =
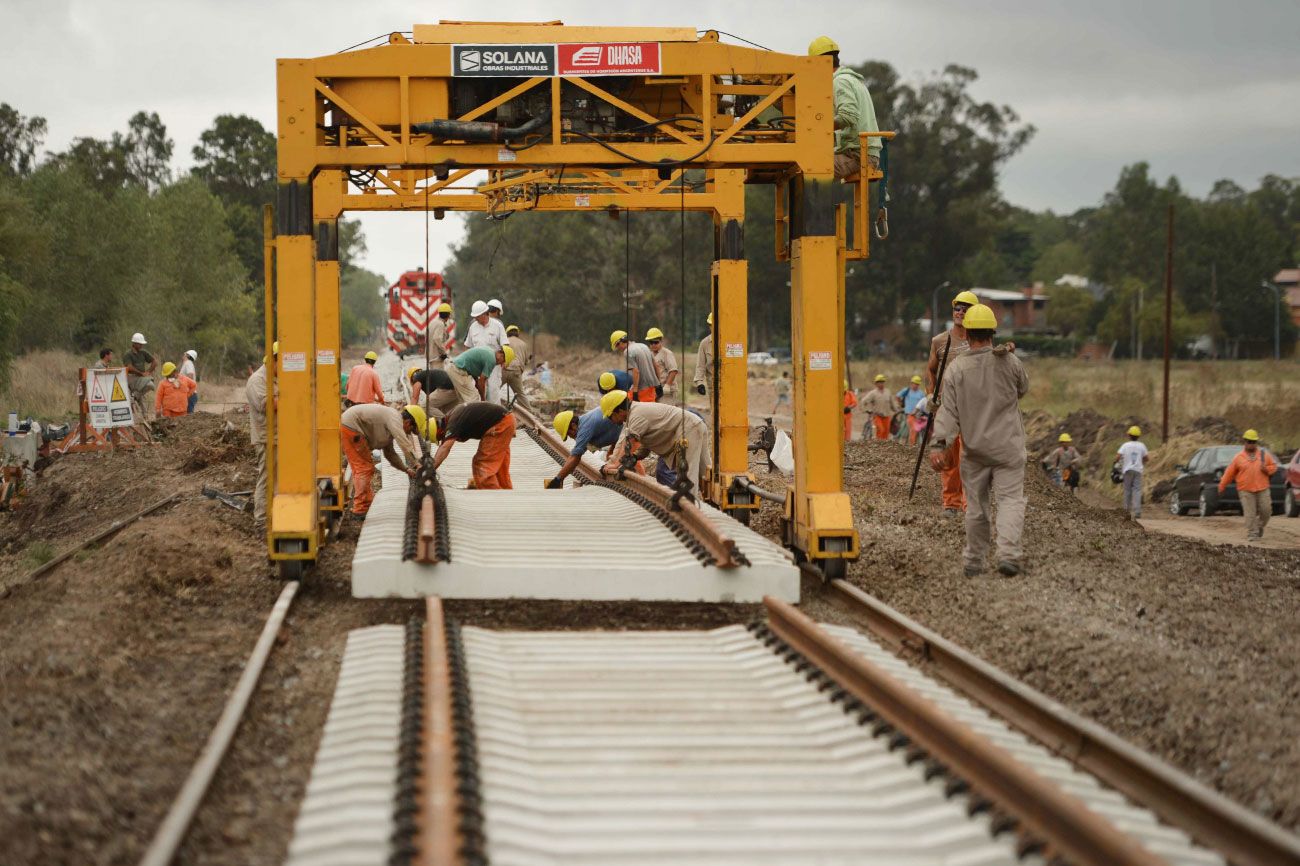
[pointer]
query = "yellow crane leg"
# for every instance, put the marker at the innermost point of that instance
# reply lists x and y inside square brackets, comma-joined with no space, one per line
[327,205]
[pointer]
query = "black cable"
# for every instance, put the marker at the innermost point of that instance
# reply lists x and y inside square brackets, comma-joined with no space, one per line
[733,36]
[666,163]
[380,36]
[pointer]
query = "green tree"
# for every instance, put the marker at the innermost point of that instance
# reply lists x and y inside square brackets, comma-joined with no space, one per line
[1061,258]
[1068,309]
[236,157]
[20,139]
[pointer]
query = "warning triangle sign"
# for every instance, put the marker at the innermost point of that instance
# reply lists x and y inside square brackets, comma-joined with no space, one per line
[118,396]
[97,393]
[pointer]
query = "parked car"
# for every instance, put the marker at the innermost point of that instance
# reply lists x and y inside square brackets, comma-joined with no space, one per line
[781,353]
[761,359]
[1197,484]
[1291,481]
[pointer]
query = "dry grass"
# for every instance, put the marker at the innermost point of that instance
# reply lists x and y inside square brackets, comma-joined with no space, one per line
[44,385]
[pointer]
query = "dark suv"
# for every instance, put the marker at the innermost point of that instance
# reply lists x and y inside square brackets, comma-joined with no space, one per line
[1197,484]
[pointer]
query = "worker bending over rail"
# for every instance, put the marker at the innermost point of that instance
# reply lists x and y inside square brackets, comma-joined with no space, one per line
[591,431]
[981,402]
[1251,469]
[363,382]
[494,427]
[255,391]
[375,427]
[513,372]
[678,437]
[432,389]
[641,364]
[470,370]
[614,380]
[173,396]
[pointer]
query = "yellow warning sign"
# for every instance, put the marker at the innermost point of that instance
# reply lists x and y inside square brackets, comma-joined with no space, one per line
[118,396]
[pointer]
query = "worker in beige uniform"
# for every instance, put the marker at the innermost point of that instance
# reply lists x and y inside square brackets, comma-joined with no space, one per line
[370,427]
[512,374]
[658,428]
[879,404]
[981,402]
[665,365]
[255,391]
[437,341]
[954,342]
[704,360]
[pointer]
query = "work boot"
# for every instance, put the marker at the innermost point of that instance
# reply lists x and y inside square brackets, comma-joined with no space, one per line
[974,571]
[950,512]
[1009,568]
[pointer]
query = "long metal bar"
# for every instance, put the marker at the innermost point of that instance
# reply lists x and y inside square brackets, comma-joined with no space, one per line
[1169,301]
[115,526]
[439,836]
[171,832]
[1213,820]
[1062,820]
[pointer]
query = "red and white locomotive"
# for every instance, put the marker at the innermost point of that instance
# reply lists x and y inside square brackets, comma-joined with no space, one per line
[412,301]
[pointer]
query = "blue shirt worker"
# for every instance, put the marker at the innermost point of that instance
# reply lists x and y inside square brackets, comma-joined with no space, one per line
[592,430]
[614,380]
[911,395]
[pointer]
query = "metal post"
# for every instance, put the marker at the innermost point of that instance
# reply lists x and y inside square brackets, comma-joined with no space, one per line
[934,308]
[1277,318]
[1169,306]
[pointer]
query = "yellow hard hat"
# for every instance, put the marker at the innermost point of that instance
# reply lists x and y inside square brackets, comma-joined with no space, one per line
[846,384]
[371,356]
[1135,430]
[615,337]
[654,334]
[880,377]
[607,382]
[1065,437]
[822,45]
[966,297]
[420,418]
[509,353]
[980,317]
[612,401]
[1249,435]
[275,350]
[709,319]
[562,422]
[444,307]
[514,328]
[169,368]
[916,380]
[410,374]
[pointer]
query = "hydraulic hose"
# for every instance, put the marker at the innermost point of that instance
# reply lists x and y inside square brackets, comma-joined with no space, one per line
[479,130]
[753,488]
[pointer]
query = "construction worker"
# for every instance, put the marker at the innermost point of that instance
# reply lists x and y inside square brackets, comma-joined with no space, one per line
[494,426]
[470,369]
[363,382]
[1132,459]
[368,427]
[981,401]
[955,344]
[140,364]
[173,393]
[1063,463]
[614,380]
[854,112]
[498,328]
[654,427]
[255,391]
[590,431]
[105,359]
[704,360]
[482,333]
[434,388]
[782,391]
[436,340]
[908,398]
[665,364]
[880,406]
[1251,469]
[187,370]
[850,403]
[513,373]
[641,364]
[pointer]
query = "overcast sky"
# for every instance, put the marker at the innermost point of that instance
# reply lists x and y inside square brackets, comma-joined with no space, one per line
[1201,90]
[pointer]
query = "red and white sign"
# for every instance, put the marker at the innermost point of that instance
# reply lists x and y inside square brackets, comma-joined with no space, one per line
[609,58]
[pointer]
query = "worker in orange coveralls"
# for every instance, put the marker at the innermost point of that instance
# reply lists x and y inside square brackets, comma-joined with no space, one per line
[373,426]
[173,396]
[850,403]
[363,382]
[494,427]
[1251,469]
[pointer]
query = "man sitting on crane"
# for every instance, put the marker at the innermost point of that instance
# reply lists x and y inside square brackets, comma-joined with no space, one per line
[854,112]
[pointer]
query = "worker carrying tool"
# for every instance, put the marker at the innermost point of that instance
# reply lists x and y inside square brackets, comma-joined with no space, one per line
[363,382]
[432,389]
[370,427]
[908,398]
[140,364]
[641,364]
[855,113]
[173,394]
[590,431]
[513,373]
[494,426]
[880,406]
[704,360]
[665,364]
[951,346]
[1251,469]
[679,437]
[187,370]
[255,391]
[614,380]
[1063,463]
[470,369]
[436,338]
[981,402]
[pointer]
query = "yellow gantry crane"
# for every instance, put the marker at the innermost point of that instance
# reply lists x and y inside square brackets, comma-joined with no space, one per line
[565,119]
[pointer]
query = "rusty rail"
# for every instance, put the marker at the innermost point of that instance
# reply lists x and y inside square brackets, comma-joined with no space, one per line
[721,546]
[426,549]
[1245,838]
[1065,824]
[439,838]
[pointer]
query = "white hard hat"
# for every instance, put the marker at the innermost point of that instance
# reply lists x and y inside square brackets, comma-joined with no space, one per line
[495,303]
[138,338]
[478,309]
[193,354]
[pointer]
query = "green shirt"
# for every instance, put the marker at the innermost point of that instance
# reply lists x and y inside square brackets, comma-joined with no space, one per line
[854,112]
[478,361]
[140,360]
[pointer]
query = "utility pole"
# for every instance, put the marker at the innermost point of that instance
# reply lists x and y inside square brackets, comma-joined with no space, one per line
[1277,318]
[1169,308]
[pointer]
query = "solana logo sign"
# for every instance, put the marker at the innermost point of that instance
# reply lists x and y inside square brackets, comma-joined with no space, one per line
[517,61]
[470,61]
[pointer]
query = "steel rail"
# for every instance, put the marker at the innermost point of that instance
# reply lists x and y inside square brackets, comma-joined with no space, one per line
[721,546]
[1246,838]
[171,832]
[439,837]
[115,526]
[1063,821]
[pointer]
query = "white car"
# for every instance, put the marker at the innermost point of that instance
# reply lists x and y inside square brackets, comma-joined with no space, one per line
[761,359]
